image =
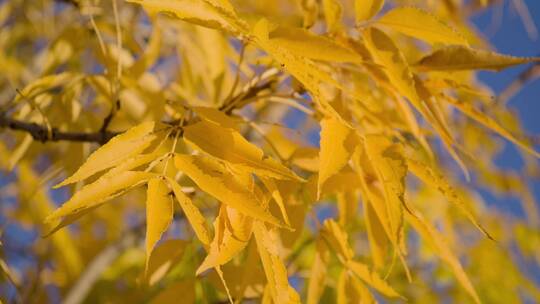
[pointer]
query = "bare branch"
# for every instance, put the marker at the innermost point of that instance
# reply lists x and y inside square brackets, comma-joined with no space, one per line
[41,133]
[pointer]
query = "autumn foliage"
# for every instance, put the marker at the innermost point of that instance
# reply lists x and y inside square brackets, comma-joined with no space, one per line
[279,151]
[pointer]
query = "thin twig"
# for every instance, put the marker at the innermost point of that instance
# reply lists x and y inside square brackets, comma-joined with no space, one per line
[237,77]
[526,76]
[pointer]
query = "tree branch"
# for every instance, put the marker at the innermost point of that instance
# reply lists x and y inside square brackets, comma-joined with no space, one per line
[40,132]
[525,77]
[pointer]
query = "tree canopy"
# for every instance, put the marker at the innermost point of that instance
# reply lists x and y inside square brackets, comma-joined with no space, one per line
[276,151]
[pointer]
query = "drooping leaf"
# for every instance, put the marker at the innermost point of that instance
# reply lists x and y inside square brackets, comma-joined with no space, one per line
[390,167]
[366,9]
[164,257]
[351,290]
[334,234]
[94,194]
[437,181]
[303,69]
[232,232]
[276,273]
[211,177]
[336,237]
[490,123]
[436,240]
[211,139]
[318,272]
[159,213]
[271,186]
[378,241]
[372,279]
[456,58]
[388,55]
[420,24]
[119,148]
[335,149]
[193,214]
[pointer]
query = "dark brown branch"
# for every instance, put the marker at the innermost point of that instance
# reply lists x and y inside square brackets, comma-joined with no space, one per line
[41,133]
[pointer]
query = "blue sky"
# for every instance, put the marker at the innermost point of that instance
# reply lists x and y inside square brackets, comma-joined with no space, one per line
[511,38]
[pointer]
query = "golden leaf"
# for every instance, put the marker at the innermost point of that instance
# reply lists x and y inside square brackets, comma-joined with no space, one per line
[211,177]
[159,213]
[366,9]
[211,139]
[193,215]
[276,273]
[118,149]
[420,24]
[455,58]
[430,234]
[335,149]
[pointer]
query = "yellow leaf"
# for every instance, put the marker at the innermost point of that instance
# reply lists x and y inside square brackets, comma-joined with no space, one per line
[303,69]
[271,186]
[212,139]
[276,273]
[390,167]
[336,141]
[133,163]
[333,11]
[218,117]
[211,177]
[372,279]
[94,194]
[388,55]
[490,123]
[171,293]
[317,275]
[47,83]
[455,58]
[209,13]
[159,213]
[193,215]
[420,24]
[151,52]
[303,43]
[430,234]
[118,149]
[351,290]
[366,9]
[437,181]
[338,239]
[370,194]
[164,257]
[378,242]
[231,236]
[347,202]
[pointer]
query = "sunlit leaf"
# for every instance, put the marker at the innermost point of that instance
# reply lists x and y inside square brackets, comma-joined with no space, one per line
[119,148]
[159,213]
[456,58]
[420,24]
